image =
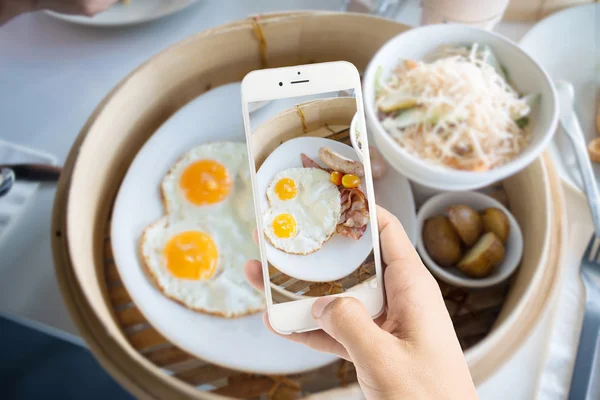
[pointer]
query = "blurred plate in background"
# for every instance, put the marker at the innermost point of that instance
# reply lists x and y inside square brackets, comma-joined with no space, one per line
[565,46]
[137,11]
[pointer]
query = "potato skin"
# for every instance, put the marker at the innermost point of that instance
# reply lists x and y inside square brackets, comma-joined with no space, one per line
[594,150]
[496,221]
[441,241]
[482,258]
[467,222]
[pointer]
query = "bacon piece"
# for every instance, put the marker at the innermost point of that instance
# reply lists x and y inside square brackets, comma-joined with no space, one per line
[308,162]
[354,233]
[354,215]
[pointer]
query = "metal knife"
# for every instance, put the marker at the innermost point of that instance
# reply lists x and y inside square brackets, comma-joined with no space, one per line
[34,172]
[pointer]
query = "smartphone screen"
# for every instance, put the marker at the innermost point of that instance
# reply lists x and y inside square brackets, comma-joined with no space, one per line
[314,196]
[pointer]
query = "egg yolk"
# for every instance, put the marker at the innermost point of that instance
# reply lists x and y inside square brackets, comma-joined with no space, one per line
[206,182]
[350,181]
[284,226]
[286,189]
[191,255]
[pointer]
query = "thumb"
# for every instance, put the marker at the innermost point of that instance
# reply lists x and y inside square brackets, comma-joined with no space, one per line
[347,321]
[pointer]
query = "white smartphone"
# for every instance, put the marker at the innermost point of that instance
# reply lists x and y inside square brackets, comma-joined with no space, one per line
[313,192]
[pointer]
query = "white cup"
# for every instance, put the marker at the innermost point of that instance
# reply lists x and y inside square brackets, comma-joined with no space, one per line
[483,14]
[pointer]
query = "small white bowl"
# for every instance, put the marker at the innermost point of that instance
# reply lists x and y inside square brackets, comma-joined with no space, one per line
[514,245]
[355,138]
[524,72]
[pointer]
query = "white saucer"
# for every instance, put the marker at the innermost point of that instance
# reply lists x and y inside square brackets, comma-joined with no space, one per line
[138,11]
[340,255]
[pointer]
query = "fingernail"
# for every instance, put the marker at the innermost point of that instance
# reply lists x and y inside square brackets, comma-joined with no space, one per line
[319,306]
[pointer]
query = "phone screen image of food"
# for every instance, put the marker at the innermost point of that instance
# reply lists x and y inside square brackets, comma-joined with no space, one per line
[312,196]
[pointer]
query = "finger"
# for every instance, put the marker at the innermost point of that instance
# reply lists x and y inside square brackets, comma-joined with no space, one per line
[404,269]
[395,244]
[346,320]
[254,274]
[316,340]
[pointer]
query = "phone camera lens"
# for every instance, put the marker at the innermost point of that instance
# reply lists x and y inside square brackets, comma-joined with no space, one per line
[298,72]
[280,83]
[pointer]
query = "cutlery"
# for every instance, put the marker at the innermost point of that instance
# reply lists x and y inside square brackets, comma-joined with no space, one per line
[7,178]
[26,172]
[571,127]
[589,338]
[34,172]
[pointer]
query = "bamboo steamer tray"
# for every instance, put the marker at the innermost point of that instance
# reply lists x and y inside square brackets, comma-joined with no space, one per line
[133,351]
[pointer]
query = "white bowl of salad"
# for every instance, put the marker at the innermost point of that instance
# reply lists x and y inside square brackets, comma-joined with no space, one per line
[454,107]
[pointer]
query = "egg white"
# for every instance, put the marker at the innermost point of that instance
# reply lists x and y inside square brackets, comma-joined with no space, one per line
[227,293]
[229,223]
[243,202]
[316,209]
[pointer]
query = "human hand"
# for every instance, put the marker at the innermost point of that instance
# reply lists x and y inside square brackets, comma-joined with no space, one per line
[12,8]
[411,351]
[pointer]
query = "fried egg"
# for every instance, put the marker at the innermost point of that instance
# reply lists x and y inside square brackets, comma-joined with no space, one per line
[207,181]
[304,210]
[195,254]
[201,265]
[243,202]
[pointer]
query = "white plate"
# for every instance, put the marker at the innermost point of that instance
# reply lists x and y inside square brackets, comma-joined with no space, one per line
[241,343]
[393,192]
[566,45]
[340,255]
[136,12]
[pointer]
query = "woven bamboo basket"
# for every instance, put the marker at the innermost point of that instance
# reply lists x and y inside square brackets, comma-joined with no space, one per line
[491,325]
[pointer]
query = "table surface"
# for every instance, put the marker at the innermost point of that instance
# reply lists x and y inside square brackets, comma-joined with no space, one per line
[53,74]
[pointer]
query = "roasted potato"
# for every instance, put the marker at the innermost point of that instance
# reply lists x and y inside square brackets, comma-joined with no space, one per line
[441,241]
[482,258]
[467,222]
[594,150]
[494,220]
